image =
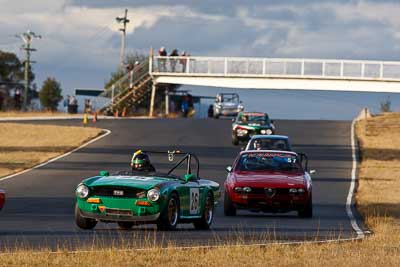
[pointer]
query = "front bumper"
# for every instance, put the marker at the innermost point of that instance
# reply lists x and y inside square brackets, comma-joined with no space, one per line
[115,217]
[281,203]
[119,209]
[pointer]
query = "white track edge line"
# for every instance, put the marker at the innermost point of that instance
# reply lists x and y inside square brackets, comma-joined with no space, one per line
[106,132]
[349,201]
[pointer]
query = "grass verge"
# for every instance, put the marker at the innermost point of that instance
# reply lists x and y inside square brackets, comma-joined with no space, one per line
[377,200]
[24,145]
[9,114]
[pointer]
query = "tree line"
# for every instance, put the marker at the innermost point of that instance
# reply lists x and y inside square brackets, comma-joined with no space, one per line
[12,84]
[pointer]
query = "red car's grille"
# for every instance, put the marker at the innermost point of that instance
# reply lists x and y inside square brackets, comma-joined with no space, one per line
[117,191]
[269,191]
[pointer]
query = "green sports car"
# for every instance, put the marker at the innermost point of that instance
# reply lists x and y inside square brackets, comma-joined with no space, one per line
[163,198]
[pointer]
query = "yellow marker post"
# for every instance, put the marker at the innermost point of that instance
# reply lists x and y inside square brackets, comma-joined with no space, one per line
[85,118]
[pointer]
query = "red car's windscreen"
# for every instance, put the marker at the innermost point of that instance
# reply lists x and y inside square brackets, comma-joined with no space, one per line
[269,161]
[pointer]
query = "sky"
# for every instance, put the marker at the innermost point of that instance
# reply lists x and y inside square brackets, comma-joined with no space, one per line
[81,42]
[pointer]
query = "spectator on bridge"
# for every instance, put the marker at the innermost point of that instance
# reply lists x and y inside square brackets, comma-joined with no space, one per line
[183,61]
[161,61]
[173,61]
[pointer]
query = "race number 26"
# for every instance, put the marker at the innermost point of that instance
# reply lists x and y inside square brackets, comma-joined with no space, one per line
[194,200]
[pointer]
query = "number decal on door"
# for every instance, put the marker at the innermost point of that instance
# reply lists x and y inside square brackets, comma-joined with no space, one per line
[194,201]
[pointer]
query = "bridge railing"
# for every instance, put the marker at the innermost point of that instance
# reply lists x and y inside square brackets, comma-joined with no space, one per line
[275,67]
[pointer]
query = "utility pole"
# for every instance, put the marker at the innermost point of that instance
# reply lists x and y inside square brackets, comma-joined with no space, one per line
[27,38]
[124,20]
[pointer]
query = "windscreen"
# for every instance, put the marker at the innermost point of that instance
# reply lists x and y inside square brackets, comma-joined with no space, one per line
[229,98]
[269,161]
[254,118]
[269,144]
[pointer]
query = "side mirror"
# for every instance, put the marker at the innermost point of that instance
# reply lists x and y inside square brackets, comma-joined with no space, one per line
[189,177]
[313,171]
[228,168]
[104,173]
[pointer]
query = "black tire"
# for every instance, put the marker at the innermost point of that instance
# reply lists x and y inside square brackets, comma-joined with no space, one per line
[307,212]
[208,214]
[229,208]
[125,225]
[169,217]
[83,223]
[235,141]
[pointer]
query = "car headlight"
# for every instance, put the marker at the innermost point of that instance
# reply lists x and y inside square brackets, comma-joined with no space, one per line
[241,132]
[268,131]
[238,189]
[246,189]
[153,194]
[82,191]
[293,190]
[301,191]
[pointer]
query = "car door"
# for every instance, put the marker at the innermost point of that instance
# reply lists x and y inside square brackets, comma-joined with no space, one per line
[191,200]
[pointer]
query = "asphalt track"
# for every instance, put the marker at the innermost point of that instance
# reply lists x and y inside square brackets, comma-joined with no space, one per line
[39,208]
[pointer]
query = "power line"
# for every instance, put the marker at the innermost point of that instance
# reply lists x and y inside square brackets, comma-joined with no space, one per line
[27,38]
[124,20]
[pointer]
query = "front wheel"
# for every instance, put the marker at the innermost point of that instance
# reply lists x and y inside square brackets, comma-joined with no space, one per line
[169,217]
[229,208]
[208,214]
[82,222]
[235,140]
[307,212]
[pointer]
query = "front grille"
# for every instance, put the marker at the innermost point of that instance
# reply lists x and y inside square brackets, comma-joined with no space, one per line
[118,212]
[108,191]
[263,191]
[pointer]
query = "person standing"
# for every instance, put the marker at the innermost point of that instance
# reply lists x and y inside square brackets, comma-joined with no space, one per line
[183,61]
[172,60]
[161,61]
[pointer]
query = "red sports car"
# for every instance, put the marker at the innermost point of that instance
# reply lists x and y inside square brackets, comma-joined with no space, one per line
[269,181]
[2,198]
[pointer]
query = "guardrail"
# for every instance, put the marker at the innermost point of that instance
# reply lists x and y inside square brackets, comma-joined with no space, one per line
[275,67]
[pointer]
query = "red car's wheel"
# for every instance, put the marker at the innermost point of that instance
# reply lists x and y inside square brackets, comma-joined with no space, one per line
[307,212]
[229,208]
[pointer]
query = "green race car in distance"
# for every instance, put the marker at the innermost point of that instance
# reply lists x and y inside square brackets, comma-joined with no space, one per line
[248,124]
[165,199]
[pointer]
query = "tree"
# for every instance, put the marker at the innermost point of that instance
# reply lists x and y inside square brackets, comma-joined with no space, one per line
[130,60]
[12,75]
[50,94]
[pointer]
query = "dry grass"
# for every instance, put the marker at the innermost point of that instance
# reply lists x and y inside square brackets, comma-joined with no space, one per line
[24,145]
[377,199]
[6,114]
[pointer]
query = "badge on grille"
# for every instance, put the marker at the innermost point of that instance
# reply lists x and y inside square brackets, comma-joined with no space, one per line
[269,192]
[118,193]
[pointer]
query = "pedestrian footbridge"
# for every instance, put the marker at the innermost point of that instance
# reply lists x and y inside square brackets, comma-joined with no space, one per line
[278,73]
[140,84]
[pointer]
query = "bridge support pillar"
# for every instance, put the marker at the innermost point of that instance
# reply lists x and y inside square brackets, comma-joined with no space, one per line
[166,102]
[152,99]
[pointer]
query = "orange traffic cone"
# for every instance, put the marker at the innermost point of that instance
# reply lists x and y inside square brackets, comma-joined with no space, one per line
[123,112]
[116,113]
[95,117]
